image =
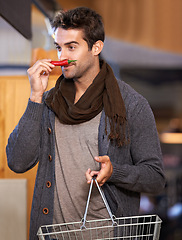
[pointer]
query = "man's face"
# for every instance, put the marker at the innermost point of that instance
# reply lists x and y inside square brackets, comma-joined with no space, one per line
[71,45]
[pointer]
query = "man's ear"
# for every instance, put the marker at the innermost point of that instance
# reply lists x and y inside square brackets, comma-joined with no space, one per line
[97,47]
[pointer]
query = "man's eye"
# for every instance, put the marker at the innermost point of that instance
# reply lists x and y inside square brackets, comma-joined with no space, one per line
[58,48]
[71,47]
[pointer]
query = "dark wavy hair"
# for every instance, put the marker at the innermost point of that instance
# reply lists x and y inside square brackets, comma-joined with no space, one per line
[82,18]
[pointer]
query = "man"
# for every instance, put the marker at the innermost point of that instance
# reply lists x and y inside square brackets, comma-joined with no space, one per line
[89,124]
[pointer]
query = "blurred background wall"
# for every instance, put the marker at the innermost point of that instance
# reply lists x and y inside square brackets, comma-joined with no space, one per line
[144,47]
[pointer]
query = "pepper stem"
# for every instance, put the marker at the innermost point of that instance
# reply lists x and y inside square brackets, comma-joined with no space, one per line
[69,61]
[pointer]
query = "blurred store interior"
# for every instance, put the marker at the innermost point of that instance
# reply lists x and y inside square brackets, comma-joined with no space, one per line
[144,47]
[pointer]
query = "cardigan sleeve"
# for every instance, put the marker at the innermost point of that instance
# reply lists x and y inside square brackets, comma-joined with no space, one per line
[23,143]
[143,169]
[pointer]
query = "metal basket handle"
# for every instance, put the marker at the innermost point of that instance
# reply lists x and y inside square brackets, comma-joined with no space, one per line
[104,200]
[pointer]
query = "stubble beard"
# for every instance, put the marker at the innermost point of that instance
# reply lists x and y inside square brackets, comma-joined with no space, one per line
[78,72]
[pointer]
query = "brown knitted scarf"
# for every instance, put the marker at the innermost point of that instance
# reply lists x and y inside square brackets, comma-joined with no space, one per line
[103,92]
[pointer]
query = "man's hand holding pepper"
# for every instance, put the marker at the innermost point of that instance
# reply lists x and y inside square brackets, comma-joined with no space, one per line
[38,76]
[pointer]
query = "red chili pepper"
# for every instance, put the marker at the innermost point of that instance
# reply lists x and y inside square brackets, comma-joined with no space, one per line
[62,63]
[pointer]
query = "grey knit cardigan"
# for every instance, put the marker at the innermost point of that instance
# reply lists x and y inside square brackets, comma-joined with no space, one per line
[137,167]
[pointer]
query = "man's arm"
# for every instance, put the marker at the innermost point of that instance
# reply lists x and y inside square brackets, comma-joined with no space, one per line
[24,142]
[143,172]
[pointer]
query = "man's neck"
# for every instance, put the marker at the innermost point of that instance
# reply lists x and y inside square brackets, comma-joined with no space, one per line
[82,84]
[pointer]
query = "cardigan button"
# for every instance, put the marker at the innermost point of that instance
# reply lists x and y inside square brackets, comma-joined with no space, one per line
[50,158]
[49,130]
[48,184]
[45,211]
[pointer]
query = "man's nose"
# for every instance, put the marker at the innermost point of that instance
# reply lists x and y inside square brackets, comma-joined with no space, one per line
[62,55]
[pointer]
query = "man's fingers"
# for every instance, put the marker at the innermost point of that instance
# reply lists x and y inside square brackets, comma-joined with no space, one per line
[104,173]
[41,66]
[90,174]
[102,159]
[101,179]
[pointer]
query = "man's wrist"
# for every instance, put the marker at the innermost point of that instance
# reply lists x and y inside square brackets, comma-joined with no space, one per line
[36,98]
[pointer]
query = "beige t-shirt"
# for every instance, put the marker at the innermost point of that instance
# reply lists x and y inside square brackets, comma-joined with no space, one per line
[76,147]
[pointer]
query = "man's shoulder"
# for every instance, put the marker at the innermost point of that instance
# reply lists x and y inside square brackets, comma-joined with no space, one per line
[128,93]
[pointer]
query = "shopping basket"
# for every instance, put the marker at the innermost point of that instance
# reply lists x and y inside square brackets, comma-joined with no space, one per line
[146,227]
